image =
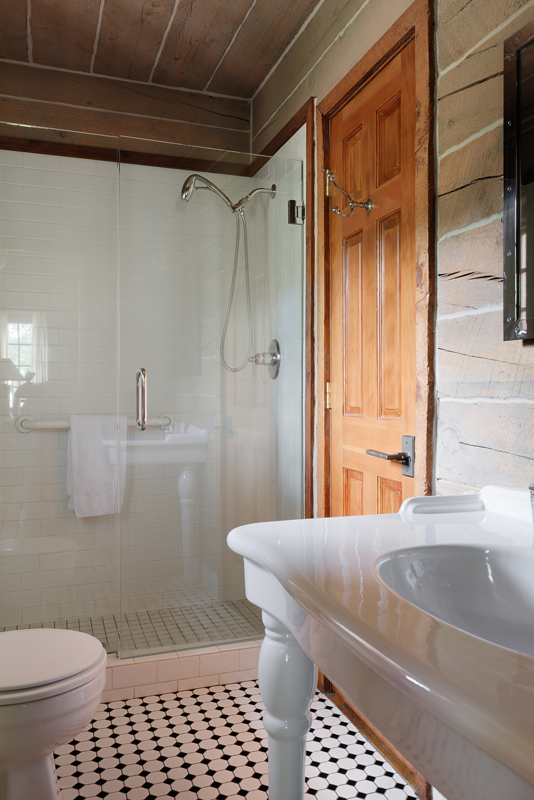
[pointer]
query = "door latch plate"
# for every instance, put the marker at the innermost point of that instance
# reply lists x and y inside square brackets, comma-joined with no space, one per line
[408,447]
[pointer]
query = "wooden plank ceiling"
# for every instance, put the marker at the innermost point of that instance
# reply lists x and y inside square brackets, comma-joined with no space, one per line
[223,47]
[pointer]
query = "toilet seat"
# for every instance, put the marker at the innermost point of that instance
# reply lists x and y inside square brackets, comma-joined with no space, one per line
[43,662]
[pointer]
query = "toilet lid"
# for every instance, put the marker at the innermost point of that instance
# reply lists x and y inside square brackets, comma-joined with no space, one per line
[39,656]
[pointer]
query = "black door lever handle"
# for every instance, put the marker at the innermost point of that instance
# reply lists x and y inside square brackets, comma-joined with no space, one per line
[404,458]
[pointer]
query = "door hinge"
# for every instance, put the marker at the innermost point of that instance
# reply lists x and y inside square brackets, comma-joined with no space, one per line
[328,395]
[296,214]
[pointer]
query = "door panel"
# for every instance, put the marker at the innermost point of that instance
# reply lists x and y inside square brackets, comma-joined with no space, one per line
[353,158]
[372,345]
[389,140]
[388,290]
[353,492]
[352,325]
[389,496]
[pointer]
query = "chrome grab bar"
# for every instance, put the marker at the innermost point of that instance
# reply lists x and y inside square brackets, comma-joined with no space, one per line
[141,385]
[26,423]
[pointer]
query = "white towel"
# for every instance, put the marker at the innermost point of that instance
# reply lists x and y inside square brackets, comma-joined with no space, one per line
[92,464]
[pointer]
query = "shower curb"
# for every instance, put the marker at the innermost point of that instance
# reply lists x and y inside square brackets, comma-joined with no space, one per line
[199,668]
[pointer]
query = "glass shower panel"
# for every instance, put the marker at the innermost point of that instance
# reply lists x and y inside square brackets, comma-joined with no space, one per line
[221,448]
[58,340]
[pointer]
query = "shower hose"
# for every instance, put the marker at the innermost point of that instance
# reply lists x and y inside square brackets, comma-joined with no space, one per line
[239,220]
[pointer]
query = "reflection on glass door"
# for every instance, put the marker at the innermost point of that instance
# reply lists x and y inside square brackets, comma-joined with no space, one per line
[78,318]
[58,357]
[215,465]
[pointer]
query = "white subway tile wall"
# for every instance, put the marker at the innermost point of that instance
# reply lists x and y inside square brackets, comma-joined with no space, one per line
[58,278]
[117,277]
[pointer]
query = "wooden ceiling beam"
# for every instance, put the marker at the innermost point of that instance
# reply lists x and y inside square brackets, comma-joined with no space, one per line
[92,93]
[268,30]
[63,34]
[222,46]
[67,101]
[130,37]
[197,40]
[106,123]
[13,30]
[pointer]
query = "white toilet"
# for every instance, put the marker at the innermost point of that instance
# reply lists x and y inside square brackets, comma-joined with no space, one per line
[51,682]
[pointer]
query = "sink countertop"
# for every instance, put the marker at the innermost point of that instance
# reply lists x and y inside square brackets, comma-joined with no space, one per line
[481,690]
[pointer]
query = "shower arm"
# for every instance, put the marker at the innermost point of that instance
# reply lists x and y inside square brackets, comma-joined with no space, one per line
[244,200]
[196,181]
[240,203]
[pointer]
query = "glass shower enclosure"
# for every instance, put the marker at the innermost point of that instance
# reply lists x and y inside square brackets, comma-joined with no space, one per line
[115,297]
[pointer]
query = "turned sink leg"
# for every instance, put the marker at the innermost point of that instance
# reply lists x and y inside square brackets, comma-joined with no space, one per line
[287,680]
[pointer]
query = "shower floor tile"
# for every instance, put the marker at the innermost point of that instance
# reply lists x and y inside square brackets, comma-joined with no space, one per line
[209,744]
[212,622]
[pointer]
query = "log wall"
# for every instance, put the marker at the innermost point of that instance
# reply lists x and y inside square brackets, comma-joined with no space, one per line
[71,101]
[485,386]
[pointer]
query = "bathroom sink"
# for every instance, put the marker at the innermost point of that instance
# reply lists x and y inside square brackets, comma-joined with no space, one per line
[485,591]
[423,619]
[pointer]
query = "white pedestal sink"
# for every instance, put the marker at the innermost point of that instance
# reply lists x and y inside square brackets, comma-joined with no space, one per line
[423,619]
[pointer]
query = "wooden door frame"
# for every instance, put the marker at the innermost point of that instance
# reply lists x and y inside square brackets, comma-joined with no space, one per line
[416,24]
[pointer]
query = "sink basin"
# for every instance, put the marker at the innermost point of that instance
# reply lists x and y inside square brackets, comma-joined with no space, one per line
[487,592]
[423,619]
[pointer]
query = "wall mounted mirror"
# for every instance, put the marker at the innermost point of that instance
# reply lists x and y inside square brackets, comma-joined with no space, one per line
[518,219]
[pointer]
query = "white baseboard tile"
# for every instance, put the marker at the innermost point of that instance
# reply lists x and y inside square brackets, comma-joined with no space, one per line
[163,673]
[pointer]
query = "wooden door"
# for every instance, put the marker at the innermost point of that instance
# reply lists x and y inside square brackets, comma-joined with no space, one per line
[372,346]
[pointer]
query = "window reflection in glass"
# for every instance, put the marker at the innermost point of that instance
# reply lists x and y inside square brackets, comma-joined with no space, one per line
[19,345]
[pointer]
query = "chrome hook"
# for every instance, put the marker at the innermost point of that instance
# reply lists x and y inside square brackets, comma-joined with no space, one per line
[368,205]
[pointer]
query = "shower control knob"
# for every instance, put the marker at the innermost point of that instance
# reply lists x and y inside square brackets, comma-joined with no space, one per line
[263,359]
[271,359]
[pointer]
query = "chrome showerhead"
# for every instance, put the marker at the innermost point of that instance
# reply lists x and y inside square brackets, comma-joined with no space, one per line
[190,185]
[188,188]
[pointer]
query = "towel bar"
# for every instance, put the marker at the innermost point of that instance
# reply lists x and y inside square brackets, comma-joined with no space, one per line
[26,423]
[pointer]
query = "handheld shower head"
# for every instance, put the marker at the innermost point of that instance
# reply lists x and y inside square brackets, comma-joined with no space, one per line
[190,184]
[195,181]
[188,188]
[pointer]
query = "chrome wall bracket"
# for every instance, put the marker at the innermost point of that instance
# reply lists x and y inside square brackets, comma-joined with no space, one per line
[352,204]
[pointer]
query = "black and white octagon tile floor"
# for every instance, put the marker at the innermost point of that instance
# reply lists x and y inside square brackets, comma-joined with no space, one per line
[209,744]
